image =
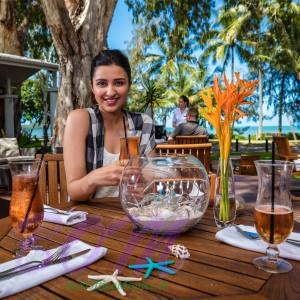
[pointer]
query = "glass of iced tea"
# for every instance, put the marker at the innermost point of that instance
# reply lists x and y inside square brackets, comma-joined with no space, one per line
[26,206]
[129,147]
[273,212]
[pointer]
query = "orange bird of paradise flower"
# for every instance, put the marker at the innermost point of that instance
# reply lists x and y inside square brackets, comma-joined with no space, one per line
[223,108]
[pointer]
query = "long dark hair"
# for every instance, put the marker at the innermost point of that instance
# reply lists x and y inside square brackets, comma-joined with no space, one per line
[111,57]
[185,99]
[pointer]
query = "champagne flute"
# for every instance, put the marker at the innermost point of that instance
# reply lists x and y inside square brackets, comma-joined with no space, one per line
[26,206]
[273,212]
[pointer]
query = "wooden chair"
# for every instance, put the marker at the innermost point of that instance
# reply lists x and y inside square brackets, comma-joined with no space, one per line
[191,139]
[247,166]
[53,184]
[201,151]
[284,150]
[212,181]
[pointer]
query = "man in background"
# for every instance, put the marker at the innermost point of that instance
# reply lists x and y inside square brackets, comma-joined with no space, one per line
[191,127]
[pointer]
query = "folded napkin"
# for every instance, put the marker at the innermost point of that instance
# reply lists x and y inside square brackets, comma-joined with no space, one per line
[230,236]
[73,217]
[35,277]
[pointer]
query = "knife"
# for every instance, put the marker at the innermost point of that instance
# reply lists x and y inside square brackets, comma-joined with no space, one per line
[57,261]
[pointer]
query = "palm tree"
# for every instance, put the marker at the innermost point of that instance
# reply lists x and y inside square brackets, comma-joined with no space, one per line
[284,26]
[167,74]
[229,39]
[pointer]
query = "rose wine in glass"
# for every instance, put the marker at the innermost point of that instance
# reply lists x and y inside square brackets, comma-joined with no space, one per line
[273,212]
[25,217]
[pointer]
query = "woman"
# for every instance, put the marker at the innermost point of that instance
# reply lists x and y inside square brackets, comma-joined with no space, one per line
[92,135]
[179,115]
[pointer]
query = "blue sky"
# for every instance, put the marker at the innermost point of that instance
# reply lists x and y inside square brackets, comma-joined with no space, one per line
[119,36]
[120,31]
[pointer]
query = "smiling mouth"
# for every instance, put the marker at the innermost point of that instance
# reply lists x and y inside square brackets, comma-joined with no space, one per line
[111,101]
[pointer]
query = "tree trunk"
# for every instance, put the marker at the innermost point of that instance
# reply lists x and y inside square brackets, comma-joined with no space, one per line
[9,42]
[280,104]
[79,30]
[232,63]
[260,103]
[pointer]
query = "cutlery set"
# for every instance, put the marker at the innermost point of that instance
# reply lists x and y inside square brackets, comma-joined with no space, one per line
[55,258]
[254,236]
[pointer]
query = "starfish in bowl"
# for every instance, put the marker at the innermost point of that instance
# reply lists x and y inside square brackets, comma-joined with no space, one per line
[114,278]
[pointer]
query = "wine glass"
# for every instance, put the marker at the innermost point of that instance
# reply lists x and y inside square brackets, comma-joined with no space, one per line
[273,212]
[129,146]
[26,206]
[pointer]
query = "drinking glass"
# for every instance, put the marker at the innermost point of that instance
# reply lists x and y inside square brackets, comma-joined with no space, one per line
[26,206]
[129,147]
[273,212]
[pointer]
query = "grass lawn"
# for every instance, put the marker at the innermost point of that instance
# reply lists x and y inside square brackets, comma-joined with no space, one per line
[263,155]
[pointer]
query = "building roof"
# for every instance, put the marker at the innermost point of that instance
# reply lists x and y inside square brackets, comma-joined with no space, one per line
[19,68]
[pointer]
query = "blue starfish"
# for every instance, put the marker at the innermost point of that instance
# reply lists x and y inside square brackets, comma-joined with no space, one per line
[151,265]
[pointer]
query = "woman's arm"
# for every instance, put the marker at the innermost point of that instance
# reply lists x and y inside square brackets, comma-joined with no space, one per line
[81,186]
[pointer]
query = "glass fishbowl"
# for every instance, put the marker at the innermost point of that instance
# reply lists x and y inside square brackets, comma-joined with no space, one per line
[165,195]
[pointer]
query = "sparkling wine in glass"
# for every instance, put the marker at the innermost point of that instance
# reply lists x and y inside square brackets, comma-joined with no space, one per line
[26,206]
[273,212]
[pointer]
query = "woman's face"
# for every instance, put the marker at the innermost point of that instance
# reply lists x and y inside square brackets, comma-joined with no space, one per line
[110,85]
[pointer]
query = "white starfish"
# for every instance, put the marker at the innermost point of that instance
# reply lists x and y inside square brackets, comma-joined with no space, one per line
[114,278]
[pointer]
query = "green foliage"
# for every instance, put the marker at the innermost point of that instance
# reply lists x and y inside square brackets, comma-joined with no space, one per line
[37,41]
[228,39]
[146,93]
[25,140]
[291,137]
[32,100]
[238,136]
[174,22]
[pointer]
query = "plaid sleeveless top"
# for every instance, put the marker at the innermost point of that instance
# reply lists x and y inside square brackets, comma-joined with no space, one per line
[139,122]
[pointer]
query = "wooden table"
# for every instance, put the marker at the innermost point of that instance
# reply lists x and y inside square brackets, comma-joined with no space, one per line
[214,268]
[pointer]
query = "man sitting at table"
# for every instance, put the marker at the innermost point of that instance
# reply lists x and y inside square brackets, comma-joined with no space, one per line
[191,127]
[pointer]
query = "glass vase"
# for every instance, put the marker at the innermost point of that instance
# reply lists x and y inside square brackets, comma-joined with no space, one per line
[224,204]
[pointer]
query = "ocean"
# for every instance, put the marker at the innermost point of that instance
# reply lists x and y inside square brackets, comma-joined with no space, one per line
[252,130]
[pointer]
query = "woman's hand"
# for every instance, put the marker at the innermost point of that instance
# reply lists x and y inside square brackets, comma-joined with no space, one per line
[109,175]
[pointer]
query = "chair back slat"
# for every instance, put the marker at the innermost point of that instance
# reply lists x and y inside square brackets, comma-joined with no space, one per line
[191,139]
[63,182]
[283,146]
[201,151]
[247,165]
[42,182]
[53,184]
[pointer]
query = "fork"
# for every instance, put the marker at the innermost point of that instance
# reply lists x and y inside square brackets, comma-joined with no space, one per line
[254,236]
[38,263]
